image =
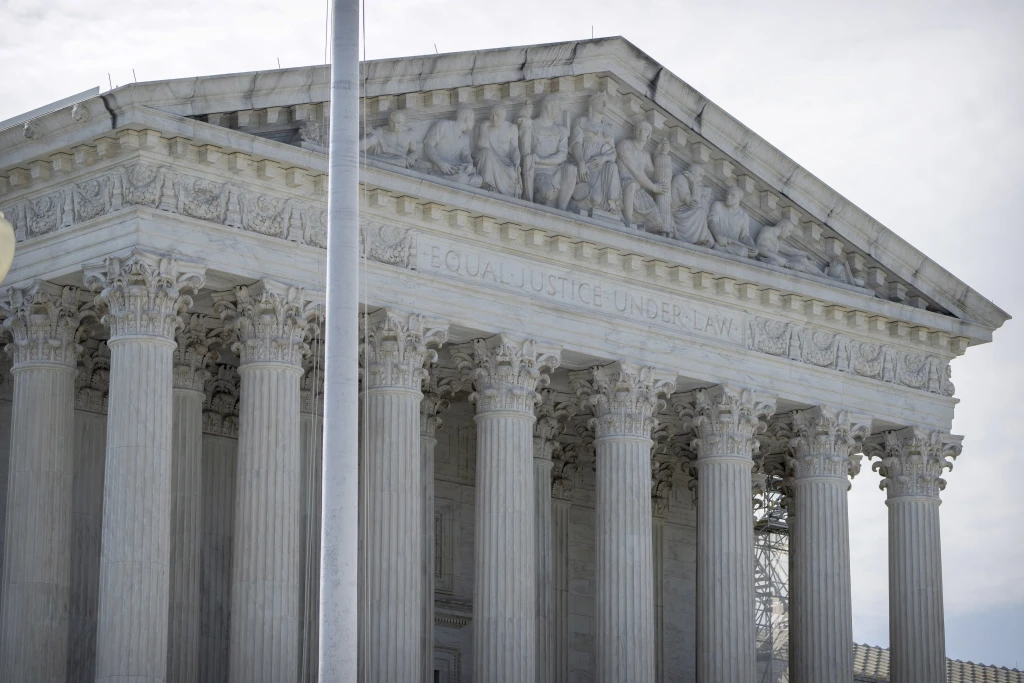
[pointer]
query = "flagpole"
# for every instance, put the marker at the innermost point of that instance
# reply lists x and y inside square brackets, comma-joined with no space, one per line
[340,533]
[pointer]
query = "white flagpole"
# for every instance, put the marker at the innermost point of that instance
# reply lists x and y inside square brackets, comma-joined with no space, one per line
[340,534]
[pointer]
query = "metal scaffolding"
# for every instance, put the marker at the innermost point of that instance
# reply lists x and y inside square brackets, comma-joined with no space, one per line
[771,582]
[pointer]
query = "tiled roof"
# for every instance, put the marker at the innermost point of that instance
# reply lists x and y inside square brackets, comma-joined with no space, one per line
[871,665]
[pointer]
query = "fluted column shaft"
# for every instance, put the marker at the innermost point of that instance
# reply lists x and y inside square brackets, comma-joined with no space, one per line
[506,372]
[726,419]
[427,444]
[143,295]
[271,322]
[658,563]
[393,359]
[821,614]
[560,593]
[912,461]
[186,535]
[543,561]
[37,552]
[43,321]
[624,398]
[625,597]
[311,430]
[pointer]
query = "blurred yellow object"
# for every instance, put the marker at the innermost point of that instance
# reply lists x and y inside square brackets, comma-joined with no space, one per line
[6,245]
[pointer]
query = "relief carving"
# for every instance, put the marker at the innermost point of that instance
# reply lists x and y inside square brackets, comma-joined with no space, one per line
[639,188]
[394,144]
[549,177]
[497,154]
[447,149]
[729,224]
[387,244]
[835,351]
[592,147]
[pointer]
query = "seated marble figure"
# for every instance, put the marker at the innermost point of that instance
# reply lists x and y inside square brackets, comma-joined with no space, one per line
[549,177]
[691,204]
[729,224]
[394,144]
[497,155]
[446,148]
[636,170]
[592,149]
[772,249]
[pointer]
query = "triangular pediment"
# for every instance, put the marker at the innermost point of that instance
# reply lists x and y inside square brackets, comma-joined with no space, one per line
[577,109]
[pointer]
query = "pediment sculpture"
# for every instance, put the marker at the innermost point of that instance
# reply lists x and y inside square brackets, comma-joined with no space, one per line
[583,168]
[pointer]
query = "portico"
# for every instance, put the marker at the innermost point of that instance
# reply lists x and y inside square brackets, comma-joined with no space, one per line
[531,355]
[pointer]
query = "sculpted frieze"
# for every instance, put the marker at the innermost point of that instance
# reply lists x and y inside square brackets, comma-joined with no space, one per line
[612,165]
[836,351]
[164,189]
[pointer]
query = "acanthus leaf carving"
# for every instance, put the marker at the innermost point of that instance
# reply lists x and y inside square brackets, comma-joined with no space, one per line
[623,397]
[45,323]
[551,418]
[93,381]
[437,389]
[272,322]
[311,385]
[143,293]
[506,372]
[395,352]
[911,461]
[387,244]
[726,420]
[825,442]
[220,408]
[198,344]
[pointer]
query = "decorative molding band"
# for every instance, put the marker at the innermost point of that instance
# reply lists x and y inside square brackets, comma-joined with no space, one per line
[836,351]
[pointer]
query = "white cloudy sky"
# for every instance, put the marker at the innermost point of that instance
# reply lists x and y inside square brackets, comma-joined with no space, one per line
[912,109]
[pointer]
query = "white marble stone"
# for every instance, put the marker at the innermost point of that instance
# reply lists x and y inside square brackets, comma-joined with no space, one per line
[506,372]
[142,295]
[44,323]
[271,323]
[911,461]
[393,355]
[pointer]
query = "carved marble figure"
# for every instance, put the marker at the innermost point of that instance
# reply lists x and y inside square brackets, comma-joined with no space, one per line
[497,154]
[839,269]
[524,122]
[691,203]
[592,148]
[447,148]
[772,249]
[730,225]
[394,144]
[553,176]
[636,170]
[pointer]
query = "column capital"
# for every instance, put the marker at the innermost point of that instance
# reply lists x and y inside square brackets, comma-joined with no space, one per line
[143,293]
[824,442]
[551,417]
[567,460]
[198,343]
[311,385]
[394,352]
[624,397]
[506,371]
[911,461]
[272,321]
[726,419]
[44,321]
[93,382]
[435,390]
[662,473]
[220,409]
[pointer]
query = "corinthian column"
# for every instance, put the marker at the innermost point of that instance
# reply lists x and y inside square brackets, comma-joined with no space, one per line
[550,423]
[566,464]
[624,399]
[272,323]
[911,462]
[44,322]
[821,621]
[726,418]
[433,404]
[143,295]
[311,430]
[506,373]
[192,357]
[394,357]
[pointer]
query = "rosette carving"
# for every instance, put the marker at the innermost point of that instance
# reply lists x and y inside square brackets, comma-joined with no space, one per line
[144,294]
[825,441]
[911,461]
[623,397]
[436,390]
[44,321]
[271,321]
[726,420]
[395,353]
[506,372]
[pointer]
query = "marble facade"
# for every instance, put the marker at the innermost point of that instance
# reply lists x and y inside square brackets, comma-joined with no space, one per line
[588,295]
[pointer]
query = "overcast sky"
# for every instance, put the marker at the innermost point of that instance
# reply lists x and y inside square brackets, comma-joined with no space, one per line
[912,110]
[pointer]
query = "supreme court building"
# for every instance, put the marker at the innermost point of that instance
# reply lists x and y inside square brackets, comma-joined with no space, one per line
[601,316]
